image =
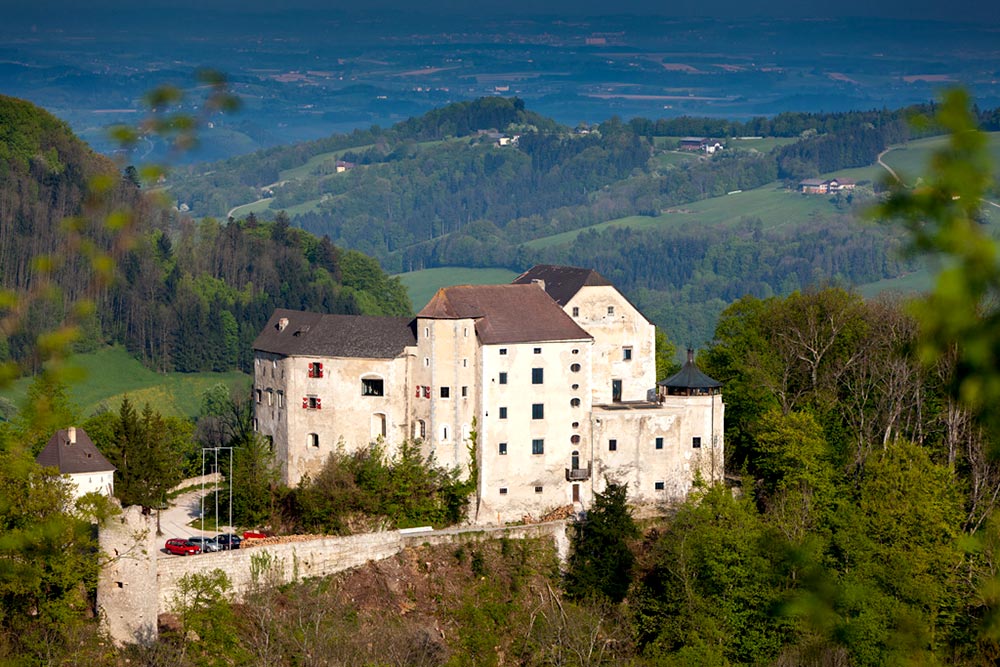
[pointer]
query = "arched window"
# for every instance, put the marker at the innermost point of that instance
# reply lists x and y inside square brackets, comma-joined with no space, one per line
[575,460]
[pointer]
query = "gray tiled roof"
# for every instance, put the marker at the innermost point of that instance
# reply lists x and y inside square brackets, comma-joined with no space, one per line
[690,377]
[505,313]
[318,335]
[73,457]
[562,282]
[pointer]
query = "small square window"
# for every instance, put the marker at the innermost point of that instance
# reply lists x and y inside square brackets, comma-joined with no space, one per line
[659,486]
[611,310]
[372,387]
[503,378]
[538,489]
[316,370]
[612,445]
[503,413]
[538,411]
[502,449]
[626,354]
[537,375]
[696,442]
[576,311]
[445,392]
[503,351]
[465,392]
[314,440]
[659,443]
[503,490]
[537,350]
[538,446]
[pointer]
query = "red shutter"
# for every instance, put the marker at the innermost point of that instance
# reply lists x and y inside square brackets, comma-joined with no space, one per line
[305,401]
[427,391]
[311,371]
[318,406]
[319,370]
[418,392]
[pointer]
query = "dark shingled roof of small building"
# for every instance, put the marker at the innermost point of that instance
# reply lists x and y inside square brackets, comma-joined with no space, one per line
[505,313]
[690,377]
[73,457]
[562,282]
[319,335]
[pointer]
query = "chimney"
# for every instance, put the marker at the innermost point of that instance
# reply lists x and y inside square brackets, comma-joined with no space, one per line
[539,282]
[282,323]
[71,435]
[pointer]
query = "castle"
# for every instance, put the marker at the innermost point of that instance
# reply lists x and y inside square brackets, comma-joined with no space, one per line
[548,383]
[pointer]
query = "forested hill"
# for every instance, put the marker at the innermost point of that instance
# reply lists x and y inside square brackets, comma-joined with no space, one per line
[182,296]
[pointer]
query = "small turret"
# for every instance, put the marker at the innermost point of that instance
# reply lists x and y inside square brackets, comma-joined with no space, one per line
[689,381]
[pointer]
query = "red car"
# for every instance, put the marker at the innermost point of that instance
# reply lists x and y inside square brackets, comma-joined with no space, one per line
[181,547]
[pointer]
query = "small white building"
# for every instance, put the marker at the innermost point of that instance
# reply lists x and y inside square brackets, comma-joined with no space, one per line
[555,374]
[74,454]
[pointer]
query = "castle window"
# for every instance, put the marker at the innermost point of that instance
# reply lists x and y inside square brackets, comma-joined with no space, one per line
[612,445]
[503,413]
[465,363]
[254,424]
[576,311]
[576,351]
[270,396]
[696,442]
[538,489]
[659,486]
[444,432]
[503,490]
[311,403]
[626,354]
[575,368]
[281,398]
[445,392]
[259,394]
[503,350]
[503,378]
[538,446]
[315,370]
[427,361]
[611,310]
[465,331]
[574,387]
[465,392]
[427,332]
[314,440]
[574,402]
[659,443]
[502,449]
[372,387]
[537,375]
[575,439]
[538,411]
[575,424]
[538,350]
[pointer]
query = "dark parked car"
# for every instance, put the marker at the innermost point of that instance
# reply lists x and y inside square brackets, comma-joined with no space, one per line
[181,547]
[229,541]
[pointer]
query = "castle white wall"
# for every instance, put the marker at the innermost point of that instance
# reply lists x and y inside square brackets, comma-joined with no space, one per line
[92,482]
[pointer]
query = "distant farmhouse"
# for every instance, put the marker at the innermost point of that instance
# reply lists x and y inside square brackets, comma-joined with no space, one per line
[700,144]
[547,384]
[74,454]
[819,186]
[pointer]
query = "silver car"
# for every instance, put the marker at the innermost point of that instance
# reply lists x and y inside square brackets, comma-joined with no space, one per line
[206,543]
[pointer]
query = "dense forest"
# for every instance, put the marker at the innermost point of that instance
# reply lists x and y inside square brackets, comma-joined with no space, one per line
[181,295]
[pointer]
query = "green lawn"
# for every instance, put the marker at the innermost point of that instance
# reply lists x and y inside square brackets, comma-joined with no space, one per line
[306,170]
[774,204]
[257,207]
[422,285]
[763,145]
[102,378]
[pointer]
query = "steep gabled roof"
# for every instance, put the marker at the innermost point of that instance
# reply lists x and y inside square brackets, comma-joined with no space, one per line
[562,282]
[505,313]
[298,333]
[72,451]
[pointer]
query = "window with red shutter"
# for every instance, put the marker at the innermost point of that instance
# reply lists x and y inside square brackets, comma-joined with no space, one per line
[305,401]
[319,370]
[318,406]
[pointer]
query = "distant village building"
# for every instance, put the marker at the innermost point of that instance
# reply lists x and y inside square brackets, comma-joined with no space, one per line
[554,374]
[819,186]
[74,454]
[342,166]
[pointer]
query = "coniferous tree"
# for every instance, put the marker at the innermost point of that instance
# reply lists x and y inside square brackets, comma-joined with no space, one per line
[601,562]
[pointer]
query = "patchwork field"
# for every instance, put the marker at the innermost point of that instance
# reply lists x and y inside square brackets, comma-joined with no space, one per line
[422,285]
[101,379]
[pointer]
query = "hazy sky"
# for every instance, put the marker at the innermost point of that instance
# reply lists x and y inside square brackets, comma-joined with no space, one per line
[971,10]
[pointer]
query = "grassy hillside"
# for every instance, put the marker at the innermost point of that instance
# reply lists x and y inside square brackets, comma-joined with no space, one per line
[421,285]
[104,377]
